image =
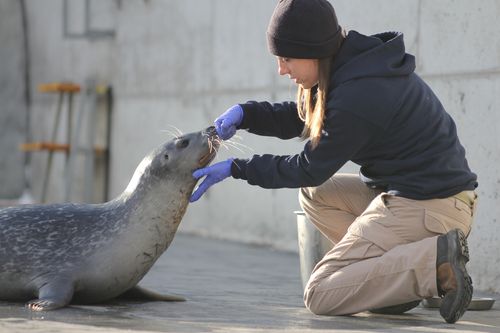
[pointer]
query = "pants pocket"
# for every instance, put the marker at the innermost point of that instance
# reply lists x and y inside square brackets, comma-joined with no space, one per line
[441,223]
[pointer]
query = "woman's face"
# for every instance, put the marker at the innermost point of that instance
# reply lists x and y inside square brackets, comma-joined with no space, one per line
[301,71]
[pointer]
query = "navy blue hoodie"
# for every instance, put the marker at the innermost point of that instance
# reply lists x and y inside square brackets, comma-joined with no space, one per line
[379,115]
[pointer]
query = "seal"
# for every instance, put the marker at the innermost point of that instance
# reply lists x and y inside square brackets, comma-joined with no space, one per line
[56,254]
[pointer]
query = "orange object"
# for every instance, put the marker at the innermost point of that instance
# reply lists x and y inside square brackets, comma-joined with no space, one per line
[50,146]
[59,87]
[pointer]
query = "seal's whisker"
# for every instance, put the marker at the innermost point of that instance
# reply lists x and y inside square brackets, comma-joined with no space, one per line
[220,143]
[177,130]
[174,131]
[224,146]
[229,144]
[170,133]
[238,145]
[237,137]
[211,147]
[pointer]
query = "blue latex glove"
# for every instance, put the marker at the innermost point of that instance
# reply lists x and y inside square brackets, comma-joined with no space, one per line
[215,173]
[226,123]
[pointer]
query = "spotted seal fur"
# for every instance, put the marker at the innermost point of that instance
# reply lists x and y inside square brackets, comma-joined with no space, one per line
[54,254]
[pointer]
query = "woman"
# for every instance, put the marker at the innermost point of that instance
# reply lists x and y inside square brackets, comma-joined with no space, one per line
[399,228]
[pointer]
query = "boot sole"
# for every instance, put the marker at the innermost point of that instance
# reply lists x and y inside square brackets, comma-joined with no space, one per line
[396,309]
[455,303]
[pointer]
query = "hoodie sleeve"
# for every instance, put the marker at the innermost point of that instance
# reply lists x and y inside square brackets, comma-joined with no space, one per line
[280,120]
[344,134]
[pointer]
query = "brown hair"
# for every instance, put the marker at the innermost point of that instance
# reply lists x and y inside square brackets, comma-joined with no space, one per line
[310,106]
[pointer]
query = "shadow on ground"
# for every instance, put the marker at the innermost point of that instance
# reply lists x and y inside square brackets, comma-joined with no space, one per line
[229,287]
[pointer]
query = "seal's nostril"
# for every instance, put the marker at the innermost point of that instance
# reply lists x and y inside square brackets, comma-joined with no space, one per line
[211,131]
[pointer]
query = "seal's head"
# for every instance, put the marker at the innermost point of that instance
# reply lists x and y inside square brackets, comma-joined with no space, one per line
[189,152]
[176,160]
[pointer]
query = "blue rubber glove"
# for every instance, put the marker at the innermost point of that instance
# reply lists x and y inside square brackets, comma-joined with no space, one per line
[215,173]
[226,123]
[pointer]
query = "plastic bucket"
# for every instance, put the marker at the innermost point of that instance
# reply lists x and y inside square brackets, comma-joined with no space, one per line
[312,246]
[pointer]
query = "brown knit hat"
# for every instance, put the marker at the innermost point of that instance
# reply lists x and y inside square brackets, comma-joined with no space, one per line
[304,29]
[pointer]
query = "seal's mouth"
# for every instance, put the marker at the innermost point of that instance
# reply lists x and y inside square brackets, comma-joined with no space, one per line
[213,145]
[207,158]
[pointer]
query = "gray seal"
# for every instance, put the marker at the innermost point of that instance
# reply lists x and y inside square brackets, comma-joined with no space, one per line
[56,254]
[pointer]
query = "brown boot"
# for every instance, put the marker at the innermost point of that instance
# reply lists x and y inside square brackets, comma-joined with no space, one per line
[454,284]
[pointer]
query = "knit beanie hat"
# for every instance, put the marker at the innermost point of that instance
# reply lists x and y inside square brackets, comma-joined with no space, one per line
[303,29]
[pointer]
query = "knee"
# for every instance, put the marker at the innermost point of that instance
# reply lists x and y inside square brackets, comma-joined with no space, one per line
[315,302]
[311,303]
[305,195]
[325,194]
[308,297]
[310,195]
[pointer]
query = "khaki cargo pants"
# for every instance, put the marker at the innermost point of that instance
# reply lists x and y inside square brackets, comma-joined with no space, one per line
[385,246]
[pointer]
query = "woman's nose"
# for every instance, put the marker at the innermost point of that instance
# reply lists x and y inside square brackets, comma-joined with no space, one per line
[282,68]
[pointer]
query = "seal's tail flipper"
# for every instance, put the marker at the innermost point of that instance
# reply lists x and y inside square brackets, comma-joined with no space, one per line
[141,294]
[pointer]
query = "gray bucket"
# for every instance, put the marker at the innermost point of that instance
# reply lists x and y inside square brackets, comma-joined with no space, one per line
[312,246]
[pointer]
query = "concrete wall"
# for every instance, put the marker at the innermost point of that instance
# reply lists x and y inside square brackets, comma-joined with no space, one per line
[63,54]
[179,64]
[12,100]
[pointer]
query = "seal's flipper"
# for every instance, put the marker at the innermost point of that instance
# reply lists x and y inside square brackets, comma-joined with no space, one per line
[44,304]
[53,295]
[142,294]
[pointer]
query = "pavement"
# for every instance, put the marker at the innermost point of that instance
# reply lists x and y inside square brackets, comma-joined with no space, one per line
[230,287]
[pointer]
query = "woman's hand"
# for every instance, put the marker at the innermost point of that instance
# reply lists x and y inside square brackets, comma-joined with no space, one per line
[214,174]
[226,123]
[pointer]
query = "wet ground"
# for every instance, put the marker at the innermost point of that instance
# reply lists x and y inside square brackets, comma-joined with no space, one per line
[229,287]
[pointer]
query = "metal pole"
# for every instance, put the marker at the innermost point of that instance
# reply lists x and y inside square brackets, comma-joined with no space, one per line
[48,166]
[90,151]
[68,165]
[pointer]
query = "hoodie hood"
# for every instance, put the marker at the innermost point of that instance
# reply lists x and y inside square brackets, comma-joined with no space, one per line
[380,55]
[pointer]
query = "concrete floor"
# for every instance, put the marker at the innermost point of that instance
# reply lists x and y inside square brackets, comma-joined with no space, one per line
[229,287]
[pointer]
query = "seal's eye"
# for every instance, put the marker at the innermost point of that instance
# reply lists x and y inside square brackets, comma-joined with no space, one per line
[181,143]
[166,157]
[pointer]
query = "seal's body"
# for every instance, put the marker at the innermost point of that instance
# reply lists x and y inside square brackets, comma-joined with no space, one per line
[90,253]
